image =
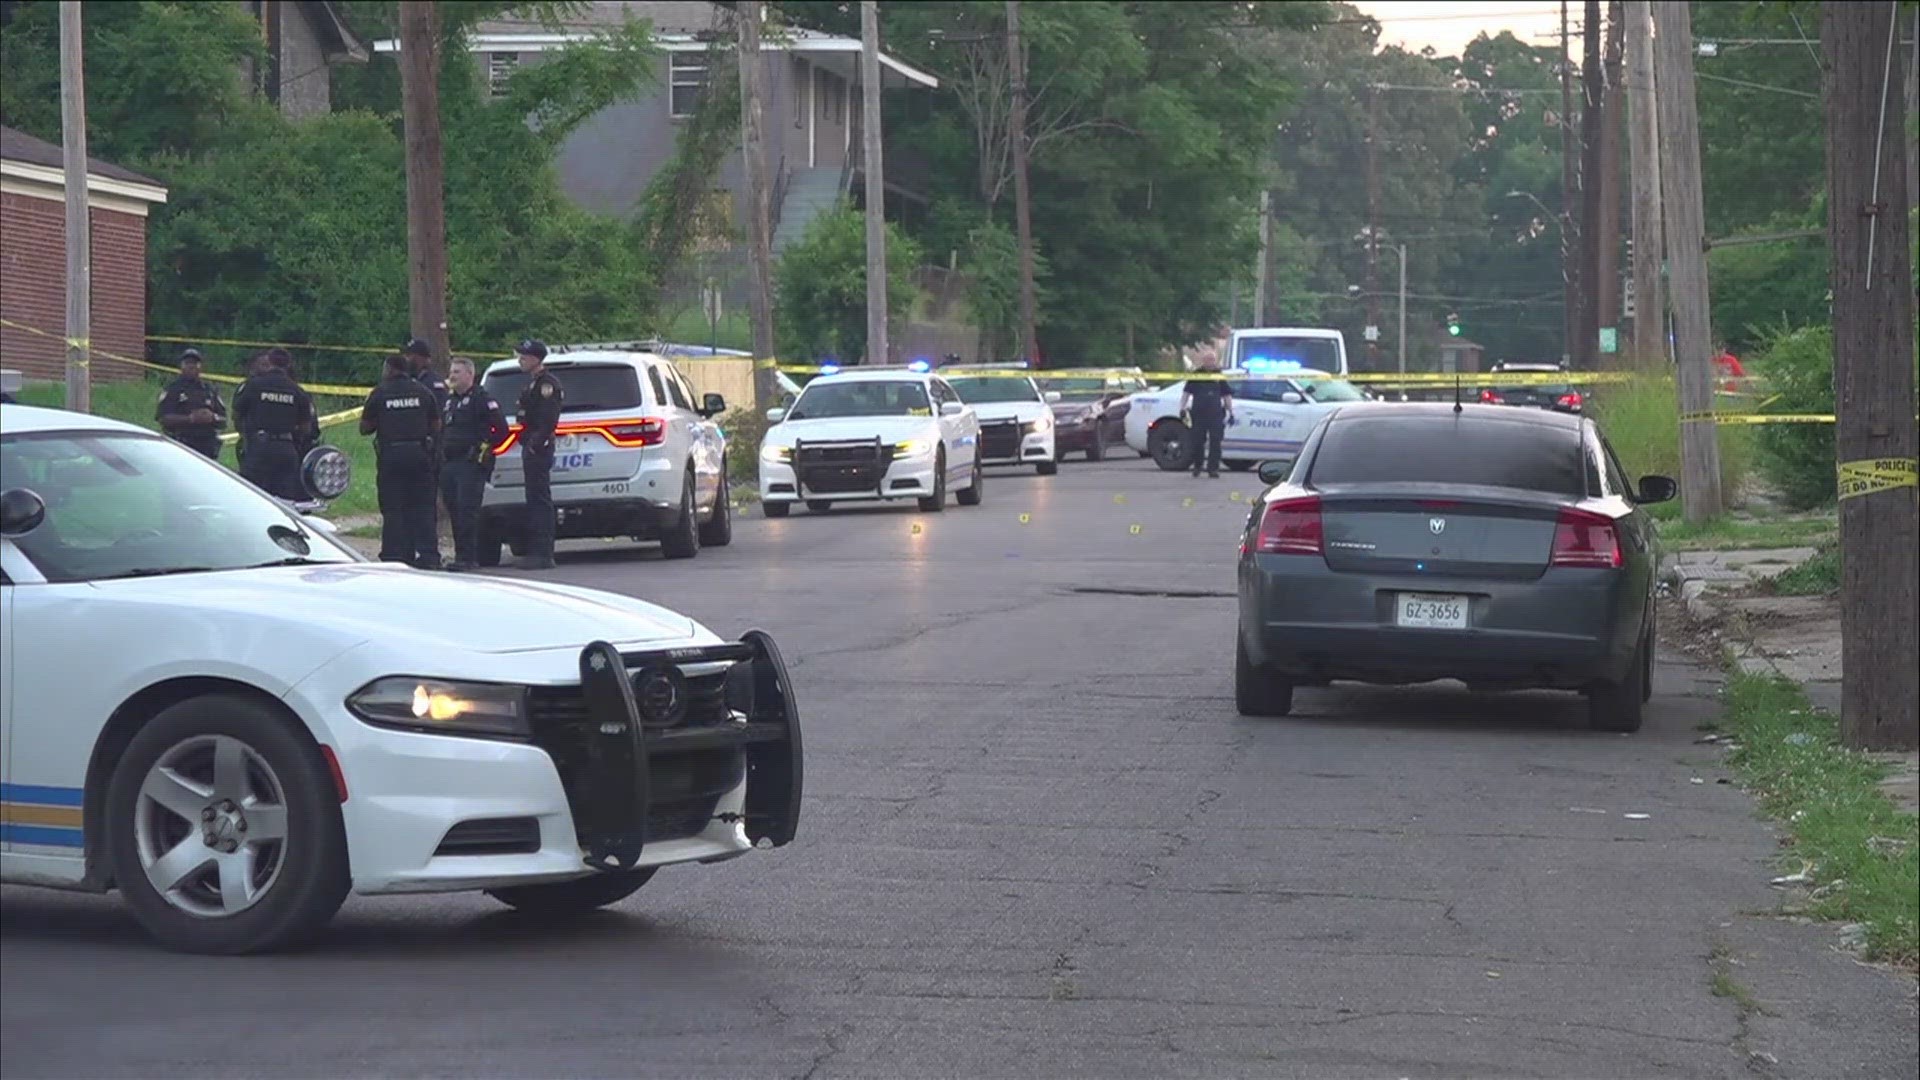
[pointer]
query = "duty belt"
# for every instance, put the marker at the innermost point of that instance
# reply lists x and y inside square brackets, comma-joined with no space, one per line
[421,441]
[271,436]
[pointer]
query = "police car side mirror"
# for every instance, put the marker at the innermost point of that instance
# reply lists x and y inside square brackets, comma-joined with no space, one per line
[326,471]
[774,416]
[1053,396]
[1293,397]
[713,405]
[21,511]
[952,408]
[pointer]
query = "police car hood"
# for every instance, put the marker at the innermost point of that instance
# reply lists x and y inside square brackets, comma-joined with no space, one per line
[396,606]
[885,428]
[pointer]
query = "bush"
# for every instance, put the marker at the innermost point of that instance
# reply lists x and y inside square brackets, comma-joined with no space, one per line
[821,306]
[744,429]
[1798,458]
[1641,419]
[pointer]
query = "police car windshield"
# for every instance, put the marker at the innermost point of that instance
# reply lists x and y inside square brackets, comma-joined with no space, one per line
[994,388]
[829,399]
[1331,390]
[127,505]
[588,387]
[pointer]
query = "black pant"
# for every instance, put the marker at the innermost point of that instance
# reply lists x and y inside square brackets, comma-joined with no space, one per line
[538,469]
[1206,435]
[208,444]
[463,483]
[272,463]
[409,531]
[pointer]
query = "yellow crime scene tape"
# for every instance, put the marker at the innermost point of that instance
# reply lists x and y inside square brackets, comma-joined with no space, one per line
[1438,380]
[1869,476]
[322,389]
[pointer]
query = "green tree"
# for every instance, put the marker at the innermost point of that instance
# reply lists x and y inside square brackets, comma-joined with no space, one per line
[1762,144]
[822,287]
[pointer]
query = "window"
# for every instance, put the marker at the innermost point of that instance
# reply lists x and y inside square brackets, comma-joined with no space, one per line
[674,389]
[1617,475]
[833,400]
[1320,354]
[981,389]
[122,505]
[587,388]
[1445,450]
[500,68]
[687,81]
[659,389]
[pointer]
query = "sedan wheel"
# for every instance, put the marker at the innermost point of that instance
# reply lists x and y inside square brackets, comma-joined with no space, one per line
[1621,706]
[1256,693]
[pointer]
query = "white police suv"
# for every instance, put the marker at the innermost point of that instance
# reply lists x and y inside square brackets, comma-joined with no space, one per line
[870,434]
[1016,419]
[636,454]
[210,704]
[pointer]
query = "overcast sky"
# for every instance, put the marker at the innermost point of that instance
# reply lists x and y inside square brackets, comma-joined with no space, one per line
[1448,26]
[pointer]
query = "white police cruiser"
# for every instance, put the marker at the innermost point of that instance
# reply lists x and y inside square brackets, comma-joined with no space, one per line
[636,454]
[1016,418]
[212,705]
[1274,408]
[870,434]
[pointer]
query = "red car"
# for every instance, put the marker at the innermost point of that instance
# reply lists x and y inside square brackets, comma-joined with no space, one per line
[1091,414]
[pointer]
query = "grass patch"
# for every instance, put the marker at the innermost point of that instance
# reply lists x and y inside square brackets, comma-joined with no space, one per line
[1729,534]
[1641,420]
[1826,796]
[1818,576]
[133,401]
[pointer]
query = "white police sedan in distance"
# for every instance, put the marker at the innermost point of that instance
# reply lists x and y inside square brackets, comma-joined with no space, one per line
[871,434]
[210,704]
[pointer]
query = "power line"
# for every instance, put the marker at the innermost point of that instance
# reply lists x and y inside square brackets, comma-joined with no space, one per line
[1755,85]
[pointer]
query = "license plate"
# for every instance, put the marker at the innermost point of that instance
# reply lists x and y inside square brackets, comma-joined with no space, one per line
[566,443]
[1430,611]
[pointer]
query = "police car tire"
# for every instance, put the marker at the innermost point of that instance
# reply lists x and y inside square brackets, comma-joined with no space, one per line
[1167,445]
[1098,451]
[683,541]
[1047,468]
[314,874]
[1241,466]
[936,502]
[973,492]
[556,898]
[775,509]
[489,544]
[718,529]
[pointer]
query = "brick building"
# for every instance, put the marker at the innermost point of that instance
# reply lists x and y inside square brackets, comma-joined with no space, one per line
[33,258]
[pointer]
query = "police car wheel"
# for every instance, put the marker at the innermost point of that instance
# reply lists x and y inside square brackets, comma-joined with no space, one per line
[223,828]
[1168,445]
[683,540]
[1241,466]
[576,896]
[775,509]
[718,530]
[936,502]
[974,492]
[819,506]
[489,544]
[1098,451]
[1047,468]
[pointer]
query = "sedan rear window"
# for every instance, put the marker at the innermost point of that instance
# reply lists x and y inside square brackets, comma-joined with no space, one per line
[588,388]
[1449,450]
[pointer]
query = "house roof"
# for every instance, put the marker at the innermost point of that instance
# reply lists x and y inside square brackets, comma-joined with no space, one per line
[24,148]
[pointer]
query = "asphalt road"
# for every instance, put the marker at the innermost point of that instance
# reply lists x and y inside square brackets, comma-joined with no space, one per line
[1038,842]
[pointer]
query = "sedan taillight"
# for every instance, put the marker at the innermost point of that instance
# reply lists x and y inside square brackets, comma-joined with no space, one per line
[1488,397]
[1291,527]
[1570,401]
[1584,538]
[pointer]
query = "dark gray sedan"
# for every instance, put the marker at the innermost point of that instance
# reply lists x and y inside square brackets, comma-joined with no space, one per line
[1414,542]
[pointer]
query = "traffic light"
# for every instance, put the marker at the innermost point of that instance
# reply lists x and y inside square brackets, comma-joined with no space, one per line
[1453,325]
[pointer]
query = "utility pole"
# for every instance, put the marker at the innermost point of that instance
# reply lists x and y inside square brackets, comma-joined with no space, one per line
[1687,253]
[1649,294]
[1569,225]
[1875,438]
[877,352]
[1591,106]
[766,385]
[1403,309]
[1606,233]
[1023,204]
[426,186]
[1373,226]
[1266,254]
[73,145]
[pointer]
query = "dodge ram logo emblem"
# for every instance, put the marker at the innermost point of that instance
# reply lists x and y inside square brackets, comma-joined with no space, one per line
[1437,525]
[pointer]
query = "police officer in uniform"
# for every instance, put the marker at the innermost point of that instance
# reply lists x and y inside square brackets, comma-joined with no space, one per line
[419,356]
[473,426]
[539,414]
[190,408]
[404,421]
[271,414]
[1208,403]
[309,434]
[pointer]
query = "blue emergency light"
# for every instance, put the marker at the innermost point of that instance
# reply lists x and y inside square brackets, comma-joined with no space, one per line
[919,365]
[829,369]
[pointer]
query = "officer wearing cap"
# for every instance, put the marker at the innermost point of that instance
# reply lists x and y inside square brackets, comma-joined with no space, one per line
[419,356]
[472,426]
[404,421]
[190,409]
[309,433]
[271,414]
[538,412]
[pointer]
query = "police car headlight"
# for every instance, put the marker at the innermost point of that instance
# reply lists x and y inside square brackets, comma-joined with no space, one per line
[912,448]
[1045,423]
[776,455]
[453,708]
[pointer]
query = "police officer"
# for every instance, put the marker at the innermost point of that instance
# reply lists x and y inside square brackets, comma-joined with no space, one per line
[271,414]
[473,426]
[190,408]
[539,414]
[420,360]
[1208,401]
[401,416]
[309,433]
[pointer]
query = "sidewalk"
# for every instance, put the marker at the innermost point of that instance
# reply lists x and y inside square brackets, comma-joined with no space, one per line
[1797,637]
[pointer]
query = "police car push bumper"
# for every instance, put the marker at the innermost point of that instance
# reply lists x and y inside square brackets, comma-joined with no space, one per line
[849,470]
